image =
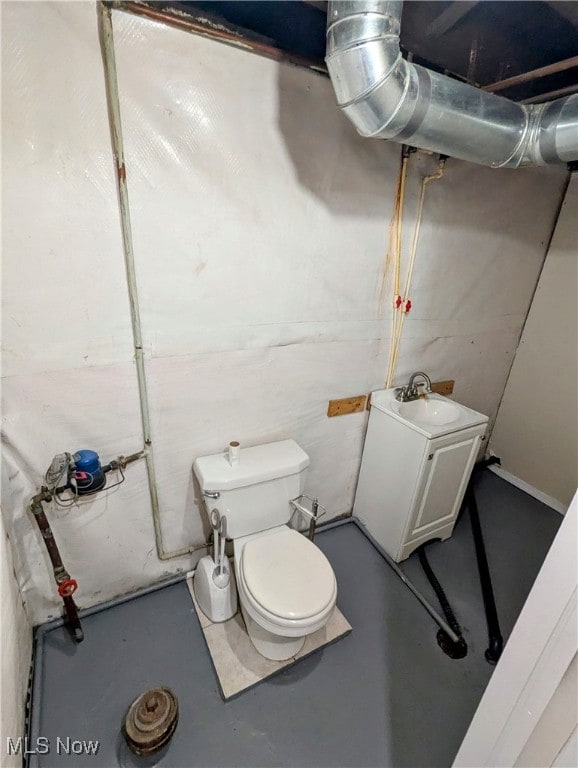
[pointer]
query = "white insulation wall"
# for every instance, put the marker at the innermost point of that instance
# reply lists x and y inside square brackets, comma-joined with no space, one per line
[260,224]
[16,649]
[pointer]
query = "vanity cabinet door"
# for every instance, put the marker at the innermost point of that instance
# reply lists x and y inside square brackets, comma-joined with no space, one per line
[440,493]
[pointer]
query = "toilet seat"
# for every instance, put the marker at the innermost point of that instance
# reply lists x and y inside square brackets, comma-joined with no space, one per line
[287,581]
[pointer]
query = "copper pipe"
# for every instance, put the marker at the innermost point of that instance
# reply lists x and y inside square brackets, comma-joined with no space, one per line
[534,74]
[569,89]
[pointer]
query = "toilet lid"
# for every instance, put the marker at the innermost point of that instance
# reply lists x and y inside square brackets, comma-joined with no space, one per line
[288,575]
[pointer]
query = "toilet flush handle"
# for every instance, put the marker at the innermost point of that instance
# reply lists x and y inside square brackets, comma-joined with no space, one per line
[211,494]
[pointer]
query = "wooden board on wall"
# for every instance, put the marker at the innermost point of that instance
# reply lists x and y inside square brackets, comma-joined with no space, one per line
[346,405]
[443,387]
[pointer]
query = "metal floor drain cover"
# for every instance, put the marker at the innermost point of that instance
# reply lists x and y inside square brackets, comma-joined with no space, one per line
[151,720]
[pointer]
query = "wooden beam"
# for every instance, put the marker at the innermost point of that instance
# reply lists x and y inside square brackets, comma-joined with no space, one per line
[450,17]
[321,5]
[568,9]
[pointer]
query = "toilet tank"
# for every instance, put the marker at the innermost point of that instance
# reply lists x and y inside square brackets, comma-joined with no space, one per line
[254,493]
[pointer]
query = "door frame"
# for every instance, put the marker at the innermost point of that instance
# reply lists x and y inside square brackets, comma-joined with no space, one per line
[539,651]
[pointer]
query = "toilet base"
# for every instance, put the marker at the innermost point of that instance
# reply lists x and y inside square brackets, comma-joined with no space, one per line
[274,647]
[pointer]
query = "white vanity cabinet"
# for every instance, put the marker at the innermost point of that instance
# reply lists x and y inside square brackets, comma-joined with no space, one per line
[414,472]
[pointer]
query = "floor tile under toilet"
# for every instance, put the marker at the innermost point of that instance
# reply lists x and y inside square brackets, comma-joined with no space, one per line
[238,666]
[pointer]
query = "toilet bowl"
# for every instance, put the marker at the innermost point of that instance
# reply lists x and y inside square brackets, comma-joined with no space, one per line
[286,586]
[287,590]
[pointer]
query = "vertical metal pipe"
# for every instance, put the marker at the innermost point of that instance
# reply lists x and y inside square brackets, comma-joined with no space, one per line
[313,521]
[61,575]
[110,71]
[60,572]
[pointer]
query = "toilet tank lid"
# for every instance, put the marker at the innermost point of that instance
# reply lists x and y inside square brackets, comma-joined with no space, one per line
[256,465]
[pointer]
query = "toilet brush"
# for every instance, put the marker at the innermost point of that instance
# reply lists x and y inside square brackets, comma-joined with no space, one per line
[214,582]
[215,525]
[223,532]
[221,573]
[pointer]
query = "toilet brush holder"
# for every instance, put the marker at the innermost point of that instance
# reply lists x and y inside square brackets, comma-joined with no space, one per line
[216,592]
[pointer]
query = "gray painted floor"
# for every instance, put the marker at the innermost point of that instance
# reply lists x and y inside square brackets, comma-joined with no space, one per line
[383,696]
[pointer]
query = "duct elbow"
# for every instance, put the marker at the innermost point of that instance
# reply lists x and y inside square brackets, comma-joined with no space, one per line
[387,97]
[362,48]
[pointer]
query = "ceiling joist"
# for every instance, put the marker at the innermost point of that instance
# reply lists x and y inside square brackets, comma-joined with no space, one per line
[450,17]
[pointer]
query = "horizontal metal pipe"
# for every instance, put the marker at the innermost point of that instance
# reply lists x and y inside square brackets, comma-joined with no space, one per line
[388,97]
[534,74]
[568,89]
[124,460]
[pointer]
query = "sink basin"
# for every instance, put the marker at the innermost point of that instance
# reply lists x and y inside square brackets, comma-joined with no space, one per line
[432,416]
[428,411]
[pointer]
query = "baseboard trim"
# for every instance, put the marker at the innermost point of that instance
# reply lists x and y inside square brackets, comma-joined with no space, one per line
[550,501]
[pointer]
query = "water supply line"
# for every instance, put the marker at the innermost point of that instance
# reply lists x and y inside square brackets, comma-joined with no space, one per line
[73,472]
[109,62]
[402,302]
[394,251]
[66,585]
[387,97]
[398,214]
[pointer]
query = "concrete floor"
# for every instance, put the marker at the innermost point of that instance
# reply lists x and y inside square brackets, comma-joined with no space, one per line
[383,696]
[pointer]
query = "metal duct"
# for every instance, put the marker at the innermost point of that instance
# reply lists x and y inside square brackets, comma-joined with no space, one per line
[387,97]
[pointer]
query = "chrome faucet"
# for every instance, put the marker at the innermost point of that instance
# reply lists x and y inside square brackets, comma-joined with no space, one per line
[412,390]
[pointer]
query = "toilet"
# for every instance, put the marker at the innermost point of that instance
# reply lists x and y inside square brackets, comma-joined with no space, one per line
[286,586]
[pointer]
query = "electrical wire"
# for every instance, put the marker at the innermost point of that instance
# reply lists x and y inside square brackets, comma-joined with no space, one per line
[51,479]
[108,487]
[66,503]
[58,499]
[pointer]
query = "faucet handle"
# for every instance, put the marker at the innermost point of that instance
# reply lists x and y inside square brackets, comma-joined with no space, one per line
[401,393]
[424,386]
